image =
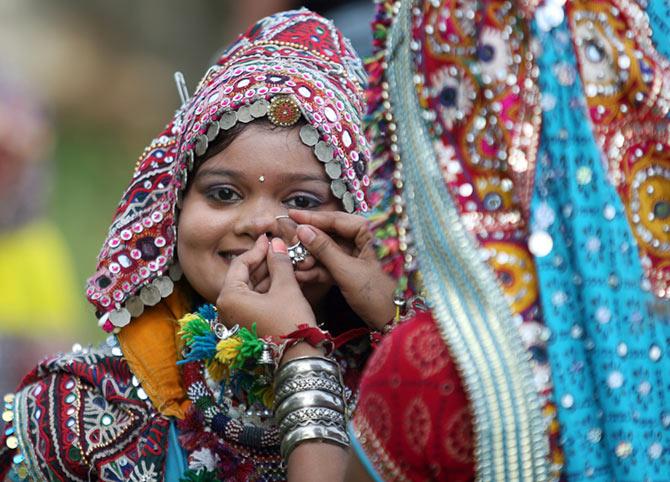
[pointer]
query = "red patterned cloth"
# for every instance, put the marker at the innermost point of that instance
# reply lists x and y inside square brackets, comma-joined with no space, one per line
[79,417]
[413,421]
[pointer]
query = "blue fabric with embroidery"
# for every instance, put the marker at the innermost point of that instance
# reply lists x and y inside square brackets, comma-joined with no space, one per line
[175,465]
[608,347]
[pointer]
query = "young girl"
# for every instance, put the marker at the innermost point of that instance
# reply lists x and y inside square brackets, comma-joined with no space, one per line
[183,388]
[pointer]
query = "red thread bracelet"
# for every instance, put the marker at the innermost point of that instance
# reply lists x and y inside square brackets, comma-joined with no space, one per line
[313,336]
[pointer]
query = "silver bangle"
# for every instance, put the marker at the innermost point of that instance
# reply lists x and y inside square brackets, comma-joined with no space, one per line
[305,365]
[299,384]
[312,416]
[312,432]
[303,376]
[309,399]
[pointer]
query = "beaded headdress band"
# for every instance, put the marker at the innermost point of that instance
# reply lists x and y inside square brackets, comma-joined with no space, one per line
[287,66]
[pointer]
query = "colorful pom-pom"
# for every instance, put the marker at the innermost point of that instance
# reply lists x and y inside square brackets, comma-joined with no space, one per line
[192,325]
[228,349]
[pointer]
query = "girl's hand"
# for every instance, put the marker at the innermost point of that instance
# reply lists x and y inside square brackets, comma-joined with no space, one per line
[260,276]
[280,309]
[353,265]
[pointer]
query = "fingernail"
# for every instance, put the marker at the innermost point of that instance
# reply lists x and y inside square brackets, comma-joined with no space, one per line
[306,234]
[278,246]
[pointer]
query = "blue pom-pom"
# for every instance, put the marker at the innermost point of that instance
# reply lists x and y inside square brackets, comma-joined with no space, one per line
[202,348]
[208,312]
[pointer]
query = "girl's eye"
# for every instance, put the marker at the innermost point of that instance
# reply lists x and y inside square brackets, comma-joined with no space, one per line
[223,194]
[303,202]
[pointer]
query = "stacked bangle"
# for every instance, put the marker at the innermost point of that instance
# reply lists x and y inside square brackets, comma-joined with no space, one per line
[309,403]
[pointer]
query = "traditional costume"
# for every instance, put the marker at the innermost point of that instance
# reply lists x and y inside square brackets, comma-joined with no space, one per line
[168,397]
[521,157]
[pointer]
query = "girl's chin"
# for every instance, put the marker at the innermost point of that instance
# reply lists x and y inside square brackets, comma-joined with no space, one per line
[208,291]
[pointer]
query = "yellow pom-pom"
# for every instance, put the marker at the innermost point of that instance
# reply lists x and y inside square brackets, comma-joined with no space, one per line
[218,371]
[186,318]
[228,349]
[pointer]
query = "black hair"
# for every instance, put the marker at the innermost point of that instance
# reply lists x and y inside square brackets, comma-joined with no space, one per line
[226,137]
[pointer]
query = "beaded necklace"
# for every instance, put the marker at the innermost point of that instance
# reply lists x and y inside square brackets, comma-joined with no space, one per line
[228,431]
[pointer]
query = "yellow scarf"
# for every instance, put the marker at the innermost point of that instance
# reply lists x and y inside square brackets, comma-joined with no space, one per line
[151,346]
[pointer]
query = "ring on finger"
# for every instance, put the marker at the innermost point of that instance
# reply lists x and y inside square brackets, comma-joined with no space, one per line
[297,252]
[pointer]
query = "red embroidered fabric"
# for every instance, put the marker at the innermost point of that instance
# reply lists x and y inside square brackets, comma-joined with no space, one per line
[413,419]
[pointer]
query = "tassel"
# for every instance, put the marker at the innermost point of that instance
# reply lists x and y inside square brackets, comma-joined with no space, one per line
[208,312]
[227,350]
[201,475]
[193,325]
[218,371]
[252,346]
[203,347]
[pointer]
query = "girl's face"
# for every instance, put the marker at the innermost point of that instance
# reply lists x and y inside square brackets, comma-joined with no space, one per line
[227,207]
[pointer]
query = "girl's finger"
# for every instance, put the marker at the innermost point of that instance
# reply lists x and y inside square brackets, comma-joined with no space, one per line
[263,286]
[280,266]
[324,249]
[238,274]
[259,274]
[307,264]
[315,275]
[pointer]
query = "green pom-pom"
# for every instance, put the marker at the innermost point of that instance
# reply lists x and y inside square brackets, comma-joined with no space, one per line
[201,475]
[193,325]
[251,348]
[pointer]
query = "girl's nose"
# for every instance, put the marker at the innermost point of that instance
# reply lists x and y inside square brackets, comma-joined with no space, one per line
[260,218]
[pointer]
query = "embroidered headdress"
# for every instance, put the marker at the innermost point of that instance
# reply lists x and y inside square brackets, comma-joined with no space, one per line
[287,66]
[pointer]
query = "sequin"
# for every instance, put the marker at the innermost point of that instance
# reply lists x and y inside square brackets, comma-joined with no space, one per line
[603,314]
[622,349]
[644,388]
[584,175]
[540,243]
[465,190]
[655,450]
[12,442]
[615,379]
[624,449]
[576,331]
[567,401]
[595,435]
[559,298]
